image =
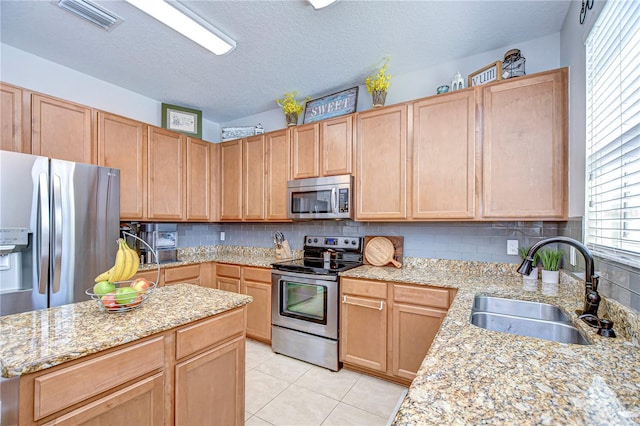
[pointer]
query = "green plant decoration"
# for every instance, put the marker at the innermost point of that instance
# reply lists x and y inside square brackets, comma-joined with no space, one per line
[290,105]
[379,81]
[551,259]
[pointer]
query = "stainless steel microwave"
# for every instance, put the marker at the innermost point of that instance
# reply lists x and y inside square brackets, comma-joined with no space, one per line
[328,197]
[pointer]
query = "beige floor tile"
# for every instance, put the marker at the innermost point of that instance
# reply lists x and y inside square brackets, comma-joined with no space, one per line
[344,415]
[374,395]
[297,406]
[256,354]
[329,383]
[257,421]
[284,368]
[260,388]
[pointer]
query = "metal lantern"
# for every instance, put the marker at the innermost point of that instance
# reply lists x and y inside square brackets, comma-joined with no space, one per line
[513,64]
[458,82]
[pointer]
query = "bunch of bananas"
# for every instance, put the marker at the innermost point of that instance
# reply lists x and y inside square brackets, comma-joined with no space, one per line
[126,266]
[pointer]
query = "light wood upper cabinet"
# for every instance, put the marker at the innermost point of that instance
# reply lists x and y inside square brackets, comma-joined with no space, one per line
[336,146]
[13,134]
[62,130]
[231,180]
[254,177]
[122,144]
[444,156]
[278,159]
[525,147]
[305,151]
[381,164]
[166,175]
[198,185]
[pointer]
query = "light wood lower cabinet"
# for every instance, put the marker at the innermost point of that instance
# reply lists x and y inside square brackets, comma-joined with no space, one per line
[190,375]
[182,274]
[228,277]
[386,329]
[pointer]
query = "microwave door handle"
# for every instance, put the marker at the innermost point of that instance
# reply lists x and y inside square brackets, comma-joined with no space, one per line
[334,200]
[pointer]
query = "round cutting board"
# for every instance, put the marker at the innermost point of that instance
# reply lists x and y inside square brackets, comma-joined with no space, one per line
[379,252]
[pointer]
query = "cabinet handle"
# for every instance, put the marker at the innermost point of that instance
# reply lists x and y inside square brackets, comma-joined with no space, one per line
[346,302]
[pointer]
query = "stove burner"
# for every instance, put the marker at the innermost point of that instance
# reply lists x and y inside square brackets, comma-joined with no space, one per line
[325,256]
[315,266]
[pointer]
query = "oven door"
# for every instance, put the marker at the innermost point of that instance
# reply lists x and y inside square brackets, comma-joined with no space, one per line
[305,302]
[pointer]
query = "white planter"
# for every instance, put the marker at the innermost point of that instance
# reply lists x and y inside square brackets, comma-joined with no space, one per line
[550,277]
[533,276]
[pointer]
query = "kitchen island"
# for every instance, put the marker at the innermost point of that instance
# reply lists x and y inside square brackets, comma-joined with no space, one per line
[180,356]
[476,376]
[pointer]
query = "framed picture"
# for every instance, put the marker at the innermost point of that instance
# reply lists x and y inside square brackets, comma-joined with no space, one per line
[491,72]
[183,120]
[334,105]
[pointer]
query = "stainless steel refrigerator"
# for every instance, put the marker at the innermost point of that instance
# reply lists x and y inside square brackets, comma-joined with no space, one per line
[59,225]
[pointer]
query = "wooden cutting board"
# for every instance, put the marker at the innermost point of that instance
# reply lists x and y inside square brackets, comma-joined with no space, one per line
[380,251]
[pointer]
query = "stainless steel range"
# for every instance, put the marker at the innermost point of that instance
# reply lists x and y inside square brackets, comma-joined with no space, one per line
[305,302]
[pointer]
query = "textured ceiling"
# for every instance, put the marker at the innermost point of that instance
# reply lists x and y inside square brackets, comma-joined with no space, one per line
[281,45]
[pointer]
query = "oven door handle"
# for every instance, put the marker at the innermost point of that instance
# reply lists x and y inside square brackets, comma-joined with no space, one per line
[302,277]
[346,302]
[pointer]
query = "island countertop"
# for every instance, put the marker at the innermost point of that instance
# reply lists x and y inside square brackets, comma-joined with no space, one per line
[33,341]
[476,376]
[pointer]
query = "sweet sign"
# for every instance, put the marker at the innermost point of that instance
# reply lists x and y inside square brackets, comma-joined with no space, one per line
[333,105]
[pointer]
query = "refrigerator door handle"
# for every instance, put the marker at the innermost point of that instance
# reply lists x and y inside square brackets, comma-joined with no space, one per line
[43,273]
[57,233]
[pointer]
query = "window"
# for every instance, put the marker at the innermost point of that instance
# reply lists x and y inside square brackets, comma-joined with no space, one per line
[613,133]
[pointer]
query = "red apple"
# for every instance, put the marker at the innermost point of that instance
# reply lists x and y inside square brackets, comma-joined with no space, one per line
[140,284]
[109,301]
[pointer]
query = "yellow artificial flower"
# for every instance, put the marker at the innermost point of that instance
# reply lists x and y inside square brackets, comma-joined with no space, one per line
[289,103]
[379,81]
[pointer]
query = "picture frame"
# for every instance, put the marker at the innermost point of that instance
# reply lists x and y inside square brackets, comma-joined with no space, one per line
[333,105]
[492,72]
[182,119]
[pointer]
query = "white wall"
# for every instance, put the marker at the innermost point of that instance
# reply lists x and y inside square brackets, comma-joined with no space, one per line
[33,72]
[542,54]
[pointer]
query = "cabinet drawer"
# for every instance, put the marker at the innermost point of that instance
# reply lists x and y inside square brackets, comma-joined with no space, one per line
[182,273]
[224,270]
[421,295]
[68,386]
[376,289]
[261,275]
[210,332]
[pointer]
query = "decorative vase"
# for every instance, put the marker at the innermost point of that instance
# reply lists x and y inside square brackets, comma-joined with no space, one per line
[550,277]
[379,96]
[292,119]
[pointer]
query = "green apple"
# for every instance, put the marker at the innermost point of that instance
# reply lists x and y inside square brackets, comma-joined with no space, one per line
[126,295]
[103,287]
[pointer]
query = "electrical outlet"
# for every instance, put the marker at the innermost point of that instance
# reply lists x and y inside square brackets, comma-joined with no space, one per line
[572,255]
[222,236]
[512,246]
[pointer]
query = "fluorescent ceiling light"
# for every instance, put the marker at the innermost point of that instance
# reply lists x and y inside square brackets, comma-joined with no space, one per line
[319,4]
[187,23]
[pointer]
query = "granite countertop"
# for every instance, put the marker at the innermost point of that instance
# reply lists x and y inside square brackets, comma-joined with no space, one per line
[36,340]
[476,376]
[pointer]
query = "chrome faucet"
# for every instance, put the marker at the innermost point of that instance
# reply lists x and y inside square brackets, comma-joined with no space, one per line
[592,298]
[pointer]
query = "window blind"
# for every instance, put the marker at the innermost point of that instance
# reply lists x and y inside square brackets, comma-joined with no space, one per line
[613,133]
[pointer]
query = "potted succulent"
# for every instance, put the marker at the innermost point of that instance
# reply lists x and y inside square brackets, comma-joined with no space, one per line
[291,107]
[378,84]
[533,276]
[550,260]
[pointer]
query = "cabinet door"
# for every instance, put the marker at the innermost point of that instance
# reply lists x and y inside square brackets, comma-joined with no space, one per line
[258,311]
[62,130]
[13,136]
[228,284]
[412,331]
[305,151]
[278,161]
[525,147]
[336,142]
[141,403]
[210,387]
[182,274]
[254,178]
[231,180]
[381,164]
[166,174]
[122,144]
[444,157]
[198,186]
[363,332]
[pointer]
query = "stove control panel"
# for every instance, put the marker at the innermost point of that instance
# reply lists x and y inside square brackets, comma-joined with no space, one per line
[351,243]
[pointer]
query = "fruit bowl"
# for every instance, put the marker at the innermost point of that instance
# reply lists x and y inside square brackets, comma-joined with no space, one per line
[124,297]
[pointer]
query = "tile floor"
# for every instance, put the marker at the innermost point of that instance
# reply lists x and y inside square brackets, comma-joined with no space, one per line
[285,391]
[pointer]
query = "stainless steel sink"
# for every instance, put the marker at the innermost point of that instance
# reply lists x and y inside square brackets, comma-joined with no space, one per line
[521,308]
[523,318]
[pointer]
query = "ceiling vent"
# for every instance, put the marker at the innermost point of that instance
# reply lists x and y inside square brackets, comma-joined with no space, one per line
[92,12]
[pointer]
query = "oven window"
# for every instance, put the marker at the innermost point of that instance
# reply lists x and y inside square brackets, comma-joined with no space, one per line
[304,301]
[311,202]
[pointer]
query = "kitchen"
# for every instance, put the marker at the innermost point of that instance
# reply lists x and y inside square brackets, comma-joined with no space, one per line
[480,241]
